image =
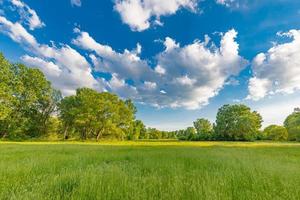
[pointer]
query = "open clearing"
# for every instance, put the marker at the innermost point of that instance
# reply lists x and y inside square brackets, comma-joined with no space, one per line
[150,170]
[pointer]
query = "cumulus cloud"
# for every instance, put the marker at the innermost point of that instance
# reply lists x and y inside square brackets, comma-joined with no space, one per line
[28,15]
[64,66]
[277,70]
[76,3]
[184,76]
[128,64]
[138,14]
[179,76]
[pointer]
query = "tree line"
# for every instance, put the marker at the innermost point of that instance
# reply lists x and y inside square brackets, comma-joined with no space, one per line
[31,108]
[239,123]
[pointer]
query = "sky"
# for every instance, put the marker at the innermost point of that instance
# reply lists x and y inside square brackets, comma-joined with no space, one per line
[179,60]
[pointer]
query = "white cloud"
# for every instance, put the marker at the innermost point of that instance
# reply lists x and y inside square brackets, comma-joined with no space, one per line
[64,66]
[76,3]
[138,13]
[27,14]
[277,71]
[226,3]
[128,65]
[160,70]
[49,68]
[185,76]
[150,85]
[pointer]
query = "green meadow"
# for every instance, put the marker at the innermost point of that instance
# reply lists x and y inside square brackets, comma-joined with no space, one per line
[149,170]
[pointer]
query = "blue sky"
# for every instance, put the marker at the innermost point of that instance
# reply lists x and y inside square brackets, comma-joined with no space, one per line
[178,59]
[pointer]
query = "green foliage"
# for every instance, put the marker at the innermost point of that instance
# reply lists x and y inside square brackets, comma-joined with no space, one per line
[276,133]
[189,133]
[91,114]
[204,129]
[292,124]
[138,130]
[237,123]
[27,101]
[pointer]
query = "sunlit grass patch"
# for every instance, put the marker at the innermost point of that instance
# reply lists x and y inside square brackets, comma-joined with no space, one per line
[149,170]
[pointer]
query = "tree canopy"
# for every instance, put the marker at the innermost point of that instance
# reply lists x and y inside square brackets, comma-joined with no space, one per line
[275,132]
[96,115]
[237,122]
[27,100]
[292,124]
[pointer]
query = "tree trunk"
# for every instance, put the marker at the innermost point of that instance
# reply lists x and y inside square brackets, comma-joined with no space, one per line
[4,135]
[66,133]
[99,135]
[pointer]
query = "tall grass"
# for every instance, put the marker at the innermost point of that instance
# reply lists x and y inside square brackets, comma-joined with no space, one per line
[219,171]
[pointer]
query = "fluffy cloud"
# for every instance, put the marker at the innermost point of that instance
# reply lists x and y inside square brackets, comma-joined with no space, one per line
[138,13]
[17,32]
[185,76]
[64,66]
[76,3]
[196,72]
[277,71]
[128,65]
[27,14]
[179,76]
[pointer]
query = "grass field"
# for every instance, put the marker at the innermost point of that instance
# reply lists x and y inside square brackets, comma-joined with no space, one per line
[150,170]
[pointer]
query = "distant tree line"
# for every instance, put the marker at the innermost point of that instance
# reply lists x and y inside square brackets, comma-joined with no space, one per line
[30,108]
[239,123]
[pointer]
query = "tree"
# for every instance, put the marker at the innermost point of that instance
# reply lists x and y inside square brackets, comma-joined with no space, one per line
[292,124]
[138,130]
[27,100]
[277,133]
[203,128]
[190,133]
[6,94]
[96,115]
[237,122]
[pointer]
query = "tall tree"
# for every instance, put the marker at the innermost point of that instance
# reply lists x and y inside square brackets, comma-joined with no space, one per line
[6,94]
[138,130]
[28,100]
[96,115]
[292,124]
[237,122]
[203,126]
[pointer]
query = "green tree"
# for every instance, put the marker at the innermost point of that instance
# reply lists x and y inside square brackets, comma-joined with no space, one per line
[237,122]
[6,94]
[96,115]
[276,133]
[203,128]
[138,130]
[292,124]
[190,133]
[27,100]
